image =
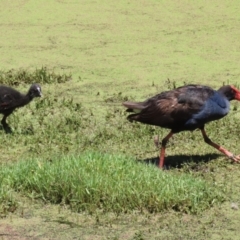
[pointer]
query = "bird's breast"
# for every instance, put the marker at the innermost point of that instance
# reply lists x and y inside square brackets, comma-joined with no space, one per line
[211,111]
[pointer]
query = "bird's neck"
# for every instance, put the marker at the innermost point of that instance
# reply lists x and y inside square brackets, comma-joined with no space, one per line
[226,92]
[24,100]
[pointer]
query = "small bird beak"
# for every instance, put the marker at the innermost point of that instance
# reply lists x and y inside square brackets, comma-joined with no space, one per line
[39,92]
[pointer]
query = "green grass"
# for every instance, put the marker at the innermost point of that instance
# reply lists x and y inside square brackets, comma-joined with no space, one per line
[52,126]
[8,201]
[93,181]
[41,75]
[89,56]
[110,175]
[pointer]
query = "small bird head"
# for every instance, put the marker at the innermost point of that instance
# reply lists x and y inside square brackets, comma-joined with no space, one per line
[35,90]
[230,92]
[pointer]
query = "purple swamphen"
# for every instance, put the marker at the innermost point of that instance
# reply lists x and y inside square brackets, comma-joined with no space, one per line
[10,99]
[185,108]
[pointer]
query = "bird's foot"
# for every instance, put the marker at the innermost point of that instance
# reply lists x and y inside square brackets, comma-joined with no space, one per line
[235,158]
[7,129]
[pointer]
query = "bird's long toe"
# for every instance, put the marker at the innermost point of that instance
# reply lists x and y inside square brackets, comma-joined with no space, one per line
[7,129]
[236,158]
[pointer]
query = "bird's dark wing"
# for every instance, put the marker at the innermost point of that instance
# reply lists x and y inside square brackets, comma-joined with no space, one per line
[6,102]
[173,108]
[194,95]
[9,98]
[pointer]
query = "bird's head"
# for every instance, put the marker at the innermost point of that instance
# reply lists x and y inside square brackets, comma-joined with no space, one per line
[230,92]
[35,91]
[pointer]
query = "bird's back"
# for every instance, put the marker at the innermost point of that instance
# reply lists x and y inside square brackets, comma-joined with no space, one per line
[184,108]
[8,98]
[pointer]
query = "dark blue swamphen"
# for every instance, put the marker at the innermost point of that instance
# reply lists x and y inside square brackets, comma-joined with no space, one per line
[185,108]
[10,99]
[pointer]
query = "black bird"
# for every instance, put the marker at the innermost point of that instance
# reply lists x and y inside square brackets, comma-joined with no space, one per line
[10,99]
[185,108]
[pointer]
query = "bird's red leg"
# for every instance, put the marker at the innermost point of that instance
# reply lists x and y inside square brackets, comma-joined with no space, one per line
[162,153]
[218,147]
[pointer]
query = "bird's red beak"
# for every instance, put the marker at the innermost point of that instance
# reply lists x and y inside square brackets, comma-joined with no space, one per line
[237,93]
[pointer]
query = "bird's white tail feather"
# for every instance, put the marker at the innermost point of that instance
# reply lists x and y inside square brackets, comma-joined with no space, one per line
[134,105]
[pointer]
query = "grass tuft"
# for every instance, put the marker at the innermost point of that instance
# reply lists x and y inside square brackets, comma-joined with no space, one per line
[41,75]
[8,203]
[114,183]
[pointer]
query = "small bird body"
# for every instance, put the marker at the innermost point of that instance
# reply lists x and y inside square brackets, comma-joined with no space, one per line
[185,108]
[10,99]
